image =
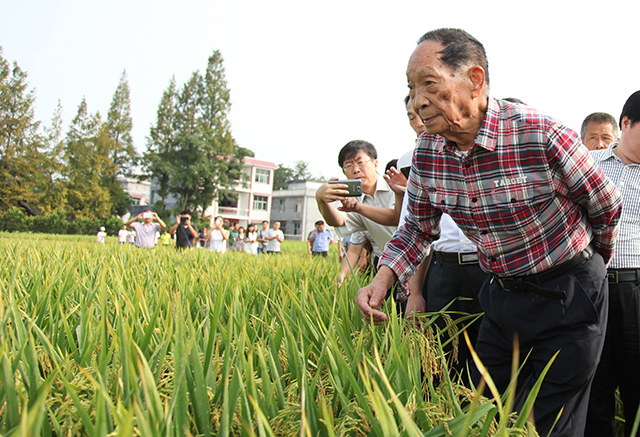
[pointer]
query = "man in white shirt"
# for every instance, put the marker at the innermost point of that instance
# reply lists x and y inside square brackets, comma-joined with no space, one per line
[618,366]
[122,235]
[274,237]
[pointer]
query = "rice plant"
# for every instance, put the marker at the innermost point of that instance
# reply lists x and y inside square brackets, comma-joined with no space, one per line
[111,340]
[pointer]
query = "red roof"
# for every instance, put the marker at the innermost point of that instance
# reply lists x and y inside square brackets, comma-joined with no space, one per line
[257,162]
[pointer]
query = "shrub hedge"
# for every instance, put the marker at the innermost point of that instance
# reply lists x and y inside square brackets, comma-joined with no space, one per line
[16,220]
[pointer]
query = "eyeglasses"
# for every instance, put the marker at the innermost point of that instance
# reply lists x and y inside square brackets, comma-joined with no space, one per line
[352,165]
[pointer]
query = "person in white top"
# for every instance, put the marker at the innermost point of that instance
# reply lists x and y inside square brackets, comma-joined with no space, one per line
[122,235]
[101,235]
[251,240]
[217,236]
[274,237]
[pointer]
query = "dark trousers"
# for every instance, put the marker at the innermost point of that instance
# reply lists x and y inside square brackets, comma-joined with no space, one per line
[324,254]
[620,363]
[575,326]
[447,281]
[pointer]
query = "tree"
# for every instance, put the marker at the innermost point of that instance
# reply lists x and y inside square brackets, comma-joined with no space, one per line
[160,141]
[86,155]
[283,175]
[51,185]
[119,121]
[20,142]
[198,158]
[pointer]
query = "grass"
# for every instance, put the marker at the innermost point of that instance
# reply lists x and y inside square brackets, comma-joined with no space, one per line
[111,340]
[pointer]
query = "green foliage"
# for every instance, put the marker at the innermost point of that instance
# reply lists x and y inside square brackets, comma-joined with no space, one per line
[283,175]
[123,153]
[112,340]
[190,150]
[56,222]
[20,142]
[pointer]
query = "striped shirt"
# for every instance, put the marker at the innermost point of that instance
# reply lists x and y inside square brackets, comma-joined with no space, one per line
[527,194]
[627,179]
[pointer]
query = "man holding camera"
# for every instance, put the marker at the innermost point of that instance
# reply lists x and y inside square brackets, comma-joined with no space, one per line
[147,230]
[185,231]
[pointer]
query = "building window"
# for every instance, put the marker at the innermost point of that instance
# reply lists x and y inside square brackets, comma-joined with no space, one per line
[228,200]
[262,176]
[260,203]
[298,205]
[281,205]
[296,228]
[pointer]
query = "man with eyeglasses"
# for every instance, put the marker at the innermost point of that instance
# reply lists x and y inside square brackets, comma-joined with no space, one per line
[374,211]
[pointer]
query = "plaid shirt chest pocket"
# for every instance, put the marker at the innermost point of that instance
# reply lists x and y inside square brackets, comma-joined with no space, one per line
[522,208]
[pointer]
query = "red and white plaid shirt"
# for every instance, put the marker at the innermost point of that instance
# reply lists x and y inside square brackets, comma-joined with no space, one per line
[528,194]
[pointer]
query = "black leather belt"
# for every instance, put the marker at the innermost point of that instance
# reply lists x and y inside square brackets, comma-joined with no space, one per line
[457,258]
[616,276]
[533,282]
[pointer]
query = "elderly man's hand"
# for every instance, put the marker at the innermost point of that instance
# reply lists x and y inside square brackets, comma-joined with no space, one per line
[370,299]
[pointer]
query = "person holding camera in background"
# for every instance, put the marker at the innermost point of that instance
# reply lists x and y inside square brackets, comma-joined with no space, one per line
[147,230]
[218,236]
[184,230]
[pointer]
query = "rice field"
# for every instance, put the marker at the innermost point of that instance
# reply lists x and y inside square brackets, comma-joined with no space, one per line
[110,340]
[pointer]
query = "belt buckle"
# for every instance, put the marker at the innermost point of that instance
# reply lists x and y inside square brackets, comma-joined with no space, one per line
[473,256]
[613,276]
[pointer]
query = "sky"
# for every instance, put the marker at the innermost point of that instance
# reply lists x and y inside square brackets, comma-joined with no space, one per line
[307,77]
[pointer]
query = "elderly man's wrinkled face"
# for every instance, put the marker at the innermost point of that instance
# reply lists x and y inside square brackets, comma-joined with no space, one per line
[441,97]
[598,135]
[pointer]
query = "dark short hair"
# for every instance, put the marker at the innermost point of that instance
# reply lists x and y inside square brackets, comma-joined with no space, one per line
[392,163]
[514,100]
[631,109]
[265,221]
[599,117]
[187,210]
[351,149]
[319,222]
[460,49]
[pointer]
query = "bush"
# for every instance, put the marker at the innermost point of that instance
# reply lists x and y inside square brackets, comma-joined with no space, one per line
[52,223]
[16,220]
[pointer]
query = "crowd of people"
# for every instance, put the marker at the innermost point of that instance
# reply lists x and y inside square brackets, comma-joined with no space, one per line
[147,230]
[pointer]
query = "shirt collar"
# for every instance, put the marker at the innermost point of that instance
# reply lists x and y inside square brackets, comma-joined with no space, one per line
[606,154]
[487,134]
[487,137]
[381,185]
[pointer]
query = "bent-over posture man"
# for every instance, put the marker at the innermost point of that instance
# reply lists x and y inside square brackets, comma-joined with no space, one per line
[544,218]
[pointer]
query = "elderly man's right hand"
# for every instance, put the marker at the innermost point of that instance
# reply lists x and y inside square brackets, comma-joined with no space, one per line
[370,299]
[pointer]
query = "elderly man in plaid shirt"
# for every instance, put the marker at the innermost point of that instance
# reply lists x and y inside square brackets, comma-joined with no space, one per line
[544,217]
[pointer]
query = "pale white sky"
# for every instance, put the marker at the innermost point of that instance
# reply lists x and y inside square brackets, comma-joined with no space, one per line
[307,77]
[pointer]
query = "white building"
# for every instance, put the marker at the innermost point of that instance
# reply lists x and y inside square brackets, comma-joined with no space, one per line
[296,209]
[140,191]
[252,204]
